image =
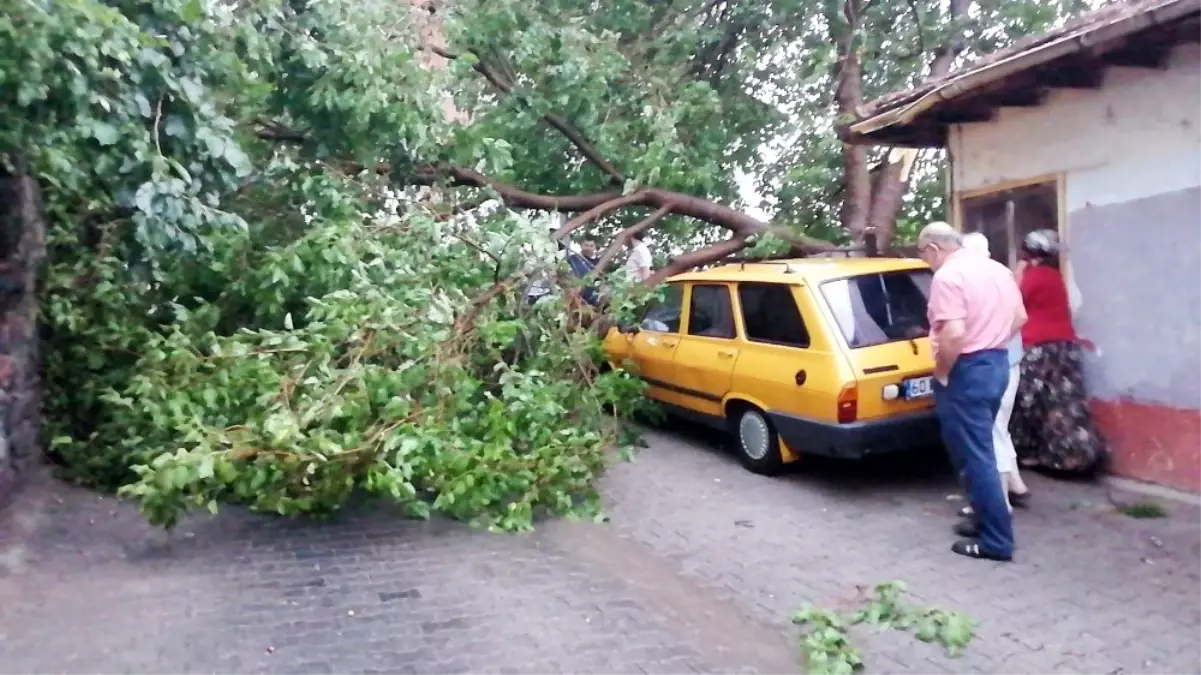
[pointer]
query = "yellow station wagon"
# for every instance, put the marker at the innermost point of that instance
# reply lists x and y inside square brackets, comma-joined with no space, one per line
[829,356]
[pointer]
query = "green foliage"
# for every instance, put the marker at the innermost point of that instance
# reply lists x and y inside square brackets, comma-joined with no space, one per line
[263,290]
[826,646]
[230,321]
[349,358]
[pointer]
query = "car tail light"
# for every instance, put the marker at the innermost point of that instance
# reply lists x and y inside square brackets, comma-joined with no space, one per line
[848,403]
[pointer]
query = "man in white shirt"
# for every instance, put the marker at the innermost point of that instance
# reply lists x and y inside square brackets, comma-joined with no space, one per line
[638,265]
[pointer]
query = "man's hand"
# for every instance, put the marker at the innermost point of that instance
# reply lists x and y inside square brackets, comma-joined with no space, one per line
[950,345]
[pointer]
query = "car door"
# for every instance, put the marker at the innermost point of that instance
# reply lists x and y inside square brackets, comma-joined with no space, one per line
[708,348]
[653,348]
[787,367]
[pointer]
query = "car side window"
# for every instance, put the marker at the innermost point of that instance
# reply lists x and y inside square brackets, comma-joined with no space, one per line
[770,314]
[710,313]
[664,315]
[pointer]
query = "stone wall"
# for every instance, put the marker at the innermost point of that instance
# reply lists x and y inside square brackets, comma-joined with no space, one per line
[22,248]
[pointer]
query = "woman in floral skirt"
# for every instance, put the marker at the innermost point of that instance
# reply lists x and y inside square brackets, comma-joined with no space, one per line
[1052,424]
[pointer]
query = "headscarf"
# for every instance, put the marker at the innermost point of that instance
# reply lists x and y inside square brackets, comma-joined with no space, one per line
[1042,243]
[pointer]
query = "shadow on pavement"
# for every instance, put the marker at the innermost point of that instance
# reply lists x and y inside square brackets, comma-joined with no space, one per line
[926,467]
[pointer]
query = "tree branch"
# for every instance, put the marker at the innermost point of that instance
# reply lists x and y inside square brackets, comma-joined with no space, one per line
[597,204]
[569,131]
[598,211]
[703,256]
[945,55]
[737,222]
[624,236]
[921,33]
[510,195]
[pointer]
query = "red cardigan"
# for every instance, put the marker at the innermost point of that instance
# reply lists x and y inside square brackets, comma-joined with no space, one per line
[1046,299]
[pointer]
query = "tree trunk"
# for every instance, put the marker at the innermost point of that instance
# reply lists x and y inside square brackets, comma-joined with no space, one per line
[890,189]
[22,249]
[848,96]
[872,205]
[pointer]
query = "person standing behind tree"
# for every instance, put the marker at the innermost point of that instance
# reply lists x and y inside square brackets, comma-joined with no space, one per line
[975,309]
[638,265]
[588,250]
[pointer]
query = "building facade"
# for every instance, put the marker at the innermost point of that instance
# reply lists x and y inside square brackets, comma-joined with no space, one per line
[1097,135]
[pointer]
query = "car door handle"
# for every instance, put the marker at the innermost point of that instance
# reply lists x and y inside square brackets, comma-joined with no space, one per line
[726,354]
[669,343]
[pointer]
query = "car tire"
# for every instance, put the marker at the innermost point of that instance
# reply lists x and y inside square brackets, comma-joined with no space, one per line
[756,441]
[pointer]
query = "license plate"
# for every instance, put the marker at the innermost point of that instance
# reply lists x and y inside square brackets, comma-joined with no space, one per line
[919,387]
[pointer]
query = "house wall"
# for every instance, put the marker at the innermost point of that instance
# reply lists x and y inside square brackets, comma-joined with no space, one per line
[1129,156]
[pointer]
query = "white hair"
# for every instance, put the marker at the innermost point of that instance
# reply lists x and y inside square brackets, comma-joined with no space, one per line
[976,243]
[941,234]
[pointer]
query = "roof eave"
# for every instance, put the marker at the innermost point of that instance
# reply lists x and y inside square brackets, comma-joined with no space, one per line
[873,130]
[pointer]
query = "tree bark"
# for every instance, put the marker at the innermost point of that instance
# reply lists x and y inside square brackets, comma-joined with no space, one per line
[848,96]
[874,207]
[891,186]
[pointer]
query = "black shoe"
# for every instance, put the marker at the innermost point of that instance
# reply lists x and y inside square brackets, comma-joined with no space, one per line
[1019,500]
[972,549]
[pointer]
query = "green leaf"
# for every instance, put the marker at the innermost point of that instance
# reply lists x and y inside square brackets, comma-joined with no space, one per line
[105,133]
[205,470]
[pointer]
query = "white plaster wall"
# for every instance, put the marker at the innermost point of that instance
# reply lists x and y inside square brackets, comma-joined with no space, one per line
[1137,136]
[1130,156]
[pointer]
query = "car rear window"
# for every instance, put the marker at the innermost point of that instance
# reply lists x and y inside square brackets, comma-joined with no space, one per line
[874,309]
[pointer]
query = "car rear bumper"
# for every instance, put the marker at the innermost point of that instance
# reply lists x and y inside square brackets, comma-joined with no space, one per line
[857,439]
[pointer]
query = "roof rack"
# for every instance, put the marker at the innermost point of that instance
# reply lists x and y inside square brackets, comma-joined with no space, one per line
[869,249]
[788,269]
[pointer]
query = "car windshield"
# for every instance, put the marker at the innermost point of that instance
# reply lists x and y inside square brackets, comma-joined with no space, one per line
[873,309]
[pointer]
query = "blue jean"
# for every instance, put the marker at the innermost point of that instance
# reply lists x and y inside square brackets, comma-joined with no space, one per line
[967,408]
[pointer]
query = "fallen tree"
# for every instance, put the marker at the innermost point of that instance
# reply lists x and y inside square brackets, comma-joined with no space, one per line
[289,240]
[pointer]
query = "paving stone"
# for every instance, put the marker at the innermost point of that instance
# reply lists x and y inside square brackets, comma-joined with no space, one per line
[826,527]
[699,570]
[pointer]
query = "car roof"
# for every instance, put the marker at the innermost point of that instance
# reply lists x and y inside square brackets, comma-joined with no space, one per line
[808,270]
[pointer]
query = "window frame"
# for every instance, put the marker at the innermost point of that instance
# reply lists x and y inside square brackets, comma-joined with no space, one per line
[958,197]
[791,290]
[723,285]
[680,325]
[819,291]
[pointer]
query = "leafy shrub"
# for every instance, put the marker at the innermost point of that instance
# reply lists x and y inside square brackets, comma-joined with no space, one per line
[364,354]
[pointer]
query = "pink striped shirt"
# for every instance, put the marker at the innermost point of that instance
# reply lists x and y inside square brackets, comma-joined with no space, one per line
[979,291]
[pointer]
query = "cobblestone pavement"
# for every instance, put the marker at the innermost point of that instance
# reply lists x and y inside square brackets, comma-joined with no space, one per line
[698,571]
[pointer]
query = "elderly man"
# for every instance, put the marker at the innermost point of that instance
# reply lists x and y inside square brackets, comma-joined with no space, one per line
[975,309]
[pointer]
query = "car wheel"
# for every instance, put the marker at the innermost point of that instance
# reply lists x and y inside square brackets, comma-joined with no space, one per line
[758,445]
